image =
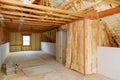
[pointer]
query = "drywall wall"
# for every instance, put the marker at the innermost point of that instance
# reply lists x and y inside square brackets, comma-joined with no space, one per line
[36,39]
[4,50]
[48,48]
[109,62]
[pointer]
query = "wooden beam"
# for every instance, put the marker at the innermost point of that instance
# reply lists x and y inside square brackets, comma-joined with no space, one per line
[29,22]
[114,1]
[33,16]
[47,2]
[27,19]
[24,10]
[75,6]
[36,11]
[81,4]
[39,7]
[68,4]
[95,14]
[32,1]
[109,12]
[52,3]
[92,5]
[28,27]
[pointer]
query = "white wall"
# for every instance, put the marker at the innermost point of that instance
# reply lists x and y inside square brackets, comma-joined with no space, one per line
[4,50]
[48,48]
[109,62]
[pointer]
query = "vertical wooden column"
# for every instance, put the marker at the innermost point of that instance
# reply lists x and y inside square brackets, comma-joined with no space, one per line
[84,52]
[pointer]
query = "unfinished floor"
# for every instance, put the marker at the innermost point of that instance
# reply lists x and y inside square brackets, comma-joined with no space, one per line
[27,59]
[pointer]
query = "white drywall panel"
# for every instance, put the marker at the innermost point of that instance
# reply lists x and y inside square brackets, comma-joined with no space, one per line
[109,62]
[48,48]
[4,50]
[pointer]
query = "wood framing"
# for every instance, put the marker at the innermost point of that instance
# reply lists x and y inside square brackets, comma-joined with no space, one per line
[36,14]
[39,7]
[94,14]
[68,4]
[48,16]
[52,3]
[92,5]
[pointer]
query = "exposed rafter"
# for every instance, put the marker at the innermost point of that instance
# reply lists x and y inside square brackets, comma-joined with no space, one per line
[81,4]
[42,8]
[45,15]
[29,19]
[68,4]
[36,14]
[114,1]
[52,3]
[92,5]
[94,14]
[74,4]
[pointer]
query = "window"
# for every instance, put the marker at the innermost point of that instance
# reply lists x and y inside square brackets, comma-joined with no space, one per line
[26,40]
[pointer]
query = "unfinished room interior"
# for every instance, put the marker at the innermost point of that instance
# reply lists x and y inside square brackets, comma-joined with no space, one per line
[59,39]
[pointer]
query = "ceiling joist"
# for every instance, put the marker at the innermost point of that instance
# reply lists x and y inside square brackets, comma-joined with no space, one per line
[44,15]
[42,8]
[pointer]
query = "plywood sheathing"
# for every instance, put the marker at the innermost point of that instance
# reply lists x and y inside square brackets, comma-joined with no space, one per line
[4,37]
[36,39]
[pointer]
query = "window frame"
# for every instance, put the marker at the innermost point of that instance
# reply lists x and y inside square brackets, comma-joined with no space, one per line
[23,40]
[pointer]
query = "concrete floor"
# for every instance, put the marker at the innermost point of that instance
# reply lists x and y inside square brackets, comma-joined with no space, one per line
[35,58]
